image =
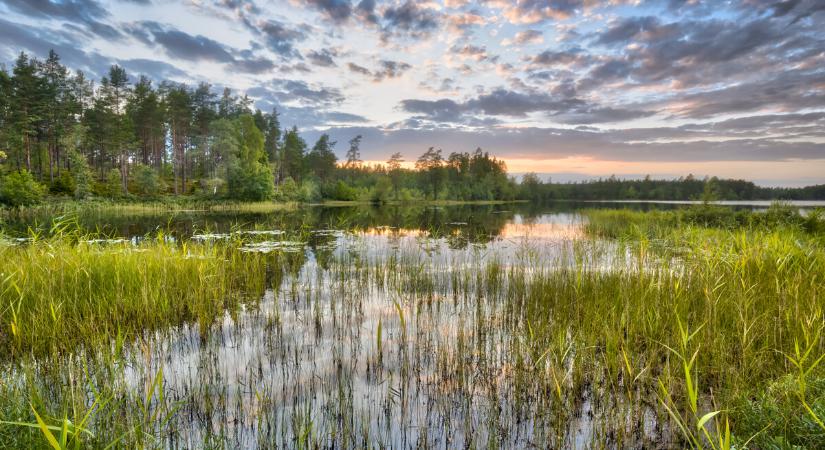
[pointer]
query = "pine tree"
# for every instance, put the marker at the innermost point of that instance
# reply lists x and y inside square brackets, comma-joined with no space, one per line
[115,92]
[394,167]
[430,164]
[27,108]
[146,114]
[354,152]
[321,159]
[179,116]
[292,155]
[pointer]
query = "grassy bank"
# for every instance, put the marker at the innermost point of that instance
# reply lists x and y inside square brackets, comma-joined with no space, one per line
[170,205]
[64,207]
[625,223]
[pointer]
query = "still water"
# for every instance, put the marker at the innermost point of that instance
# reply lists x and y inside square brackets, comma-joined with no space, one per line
[381,327]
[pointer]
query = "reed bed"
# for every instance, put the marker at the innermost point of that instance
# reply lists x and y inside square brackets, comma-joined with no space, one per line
[689,337]
[68,290]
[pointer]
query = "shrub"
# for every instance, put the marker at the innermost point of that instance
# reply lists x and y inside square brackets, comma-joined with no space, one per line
[63,184]
[343,191]
[82,175]
[111,187]
[251,181]
[21,189]
[380,193]
[287,191]
[309,192]
[146,181]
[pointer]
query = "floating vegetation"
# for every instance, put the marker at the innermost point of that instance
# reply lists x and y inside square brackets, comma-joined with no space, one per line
[260,232]
[211,236]
[272,246]
[107,241]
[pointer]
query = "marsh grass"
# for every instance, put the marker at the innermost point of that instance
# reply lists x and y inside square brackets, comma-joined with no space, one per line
[674,335]
[69,290]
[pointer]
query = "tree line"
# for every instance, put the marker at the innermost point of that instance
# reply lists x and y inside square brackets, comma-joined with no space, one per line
[63,134]
[683,188]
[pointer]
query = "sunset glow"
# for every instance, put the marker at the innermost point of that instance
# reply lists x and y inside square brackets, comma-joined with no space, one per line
[569,89]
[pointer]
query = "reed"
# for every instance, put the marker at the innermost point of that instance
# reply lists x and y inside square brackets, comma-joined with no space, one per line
[651,331]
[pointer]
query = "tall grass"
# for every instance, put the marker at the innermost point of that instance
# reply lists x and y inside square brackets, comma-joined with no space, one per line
[677,335]
[755,295]
[68,290]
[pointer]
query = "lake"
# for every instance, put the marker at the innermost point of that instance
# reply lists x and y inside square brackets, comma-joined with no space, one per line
[385,327]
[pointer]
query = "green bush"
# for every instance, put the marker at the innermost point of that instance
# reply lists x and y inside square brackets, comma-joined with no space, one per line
[342,191]
[111,187]
[63,184]
[287,191]
[380,193]
[251,181]
[81,174]
[775,417]
[309,192]
[21,189]
[147,182]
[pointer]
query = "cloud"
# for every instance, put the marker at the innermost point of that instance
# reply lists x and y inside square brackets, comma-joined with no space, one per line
[86,12]
[462,23]
[546,58]
[408,19]
[387,69]
[38,42]
[308,118]
[550,143]
[792,90]
[536,11]
[358,69]
[279,37]
[182,45]
[334,10]
[323,58]
[156,70]
[254,65]
[561,107]
[297,93]
[470,51]
[525,37]
[691,53]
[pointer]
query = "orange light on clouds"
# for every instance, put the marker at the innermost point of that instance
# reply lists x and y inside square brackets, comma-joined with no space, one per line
[803,170]
[789,169]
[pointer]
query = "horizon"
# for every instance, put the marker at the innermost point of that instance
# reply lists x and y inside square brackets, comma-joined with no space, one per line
[569,89]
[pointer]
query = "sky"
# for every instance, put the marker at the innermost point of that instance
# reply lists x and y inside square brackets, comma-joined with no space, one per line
[570,89]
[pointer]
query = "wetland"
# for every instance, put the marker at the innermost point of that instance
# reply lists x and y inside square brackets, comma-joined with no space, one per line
[475,326]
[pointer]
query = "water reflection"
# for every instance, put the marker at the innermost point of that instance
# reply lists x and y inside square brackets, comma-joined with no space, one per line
[379,327]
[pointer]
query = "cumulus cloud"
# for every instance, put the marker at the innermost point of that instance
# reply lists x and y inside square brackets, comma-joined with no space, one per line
[89,13]
[536,11]
[525,37]
[197,48]
[408,19]
[742,79]
[324,57]
[387,69]
[504,102]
